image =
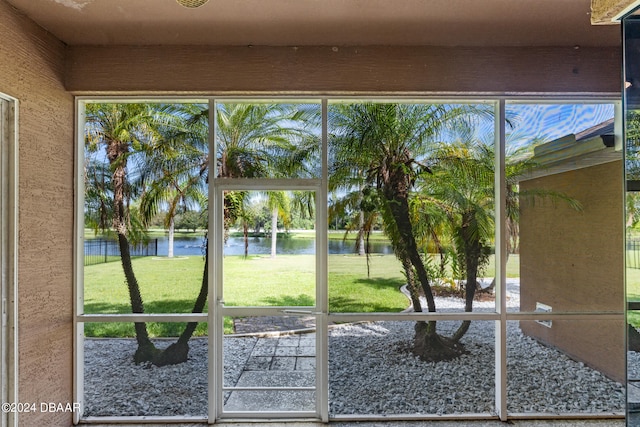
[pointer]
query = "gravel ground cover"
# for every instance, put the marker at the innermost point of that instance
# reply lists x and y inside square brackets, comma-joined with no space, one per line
[393,381]
[371,372]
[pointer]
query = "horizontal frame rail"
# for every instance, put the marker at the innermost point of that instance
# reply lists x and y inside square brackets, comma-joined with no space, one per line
[344,317]
[565,415]
[144,420]
[415,417]
[169,318]
[274,415]
[477,416]
[352,317]
[310,184]
[268,388]
[269,311]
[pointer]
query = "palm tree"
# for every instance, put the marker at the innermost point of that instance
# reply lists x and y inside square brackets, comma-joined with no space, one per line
[139,151]
[462,186]
[120,129]
[246,215]
[158,154]
[175,167]
[283,205]
[390,142]
[266,141]
[361,208]
[175,172]
[97,196]
[351,182]
[254,140]
[280,206]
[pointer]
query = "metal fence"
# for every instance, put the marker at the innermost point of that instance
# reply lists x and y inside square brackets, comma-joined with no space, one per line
[98,251]
[633,253]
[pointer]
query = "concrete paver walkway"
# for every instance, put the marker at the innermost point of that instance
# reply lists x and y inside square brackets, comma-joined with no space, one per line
[283,361]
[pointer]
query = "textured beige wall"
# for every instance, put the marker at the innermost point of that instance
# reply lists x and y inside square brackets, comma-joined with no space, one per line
[31,66]
[573,261]
[417,69]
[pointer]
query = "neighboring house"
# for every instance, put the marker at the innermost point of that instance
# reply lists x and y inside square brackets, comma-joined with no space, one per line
[570,260]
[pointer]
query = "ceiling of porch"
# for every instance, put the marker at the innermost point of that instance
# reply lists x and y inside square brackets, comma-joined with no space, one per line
[322,22]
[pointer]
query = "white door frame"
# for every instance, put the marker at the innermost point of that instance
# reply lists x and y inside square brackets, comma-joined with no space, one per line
[320,311]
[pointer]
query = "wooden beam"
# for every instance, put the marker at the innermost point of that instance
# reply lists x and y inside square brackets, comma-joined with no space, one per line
[326,69]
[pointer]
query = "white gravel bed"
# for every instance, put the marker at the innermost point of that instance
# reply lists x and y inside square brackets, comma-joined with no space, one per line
[365,380]
[633,365]
[371,372]
[115,386]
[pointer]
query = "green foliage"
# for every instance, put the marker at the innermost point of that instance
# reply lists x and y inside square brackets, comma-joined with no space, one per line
[457,267]
[234,204]
[266,139]
[633,294]
[632,155]
[435,270]
[373,141]
[191,220]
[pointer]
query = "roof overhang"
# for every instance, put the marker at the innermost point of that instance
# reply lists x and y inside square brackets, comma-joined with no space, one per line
[322,23]
[592,147]
[607,12]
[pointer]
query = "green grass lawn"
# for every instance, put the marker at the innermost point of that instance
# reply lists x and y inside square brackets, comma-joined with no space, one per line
[172,285]
[167,286]
[633,294]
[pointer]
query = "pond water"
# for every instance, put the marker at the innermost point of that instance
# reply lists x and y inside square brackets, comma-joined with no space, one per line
[262,245]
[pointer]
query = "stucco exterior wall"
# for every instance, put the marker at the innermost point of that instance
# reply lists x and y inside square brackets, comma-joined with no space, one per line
[32,67]
[574,261]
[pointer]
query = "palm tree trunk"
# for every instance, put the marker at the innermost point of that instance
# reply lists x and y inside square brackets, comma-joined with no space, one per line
[178,352]
[472,253]
[414,294]
[171,236]
[245,235]
[361,246]
[145,348]
[274,231]
[399,208]
[427,345]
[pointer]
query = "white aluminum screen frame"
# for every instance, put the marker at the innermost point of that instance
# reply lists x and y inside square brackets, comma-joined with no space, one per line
[9,254]
[500,316]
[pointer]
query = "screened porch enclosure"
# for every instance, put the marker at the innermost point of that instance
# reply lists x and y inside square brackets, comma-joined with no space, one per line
[334,231]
